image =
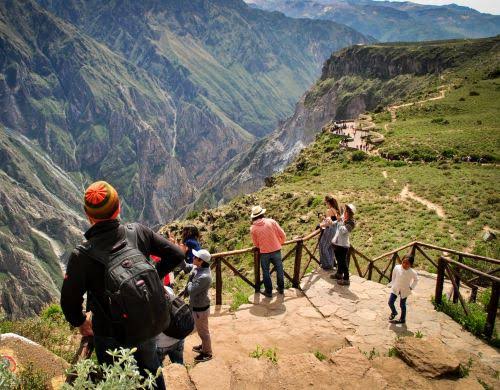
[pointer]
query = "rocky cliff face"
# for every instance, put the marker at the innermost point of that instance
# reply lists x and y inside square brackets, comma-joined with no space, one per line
[152,96]
[354,80]
[390,21]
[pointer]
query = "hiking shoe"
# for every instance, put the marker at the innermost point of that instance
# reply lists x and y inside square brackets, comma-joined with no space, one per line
[267,294]
[336,276]
[343,282]
[203,357]
[281,292]
[392,316]
[400,321]
[197,348]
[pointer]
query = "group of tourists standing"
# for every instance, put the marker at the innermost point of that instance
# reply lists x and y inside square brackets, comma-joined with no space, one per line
[334,243]
[126,273]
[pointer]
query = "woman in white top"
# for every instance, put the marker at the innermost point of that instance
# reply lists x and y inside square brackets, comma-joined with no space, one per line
[404,281]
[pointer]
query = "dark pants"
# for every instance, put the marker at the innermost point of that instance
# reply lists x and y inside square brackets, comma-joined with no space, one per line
[342,261]
[266,259]
[402,304]
[146,356]
[175,353]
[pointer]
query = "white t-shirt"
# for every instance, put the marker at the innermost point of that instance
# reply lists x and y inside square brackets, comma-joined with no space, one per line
[403,281]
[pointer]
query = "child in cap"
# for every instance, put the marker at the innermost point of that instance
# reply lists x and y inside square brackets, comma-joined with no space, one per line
[404,281]
[197,288]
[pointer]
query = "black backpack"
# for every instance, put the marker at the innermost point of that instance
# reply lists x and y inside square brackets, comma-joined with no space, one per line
[181,319]
[136,303]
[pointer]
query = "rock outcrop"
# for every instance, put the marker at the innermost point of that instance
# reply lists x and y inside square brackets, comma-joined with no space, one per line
[428,356]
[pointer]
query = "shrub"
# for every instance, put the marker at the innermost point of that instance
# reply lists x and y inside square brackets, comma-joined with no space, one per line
[358,155]
[440,121]
[192,214]
[123,374]
[27,378]
[419,334]
[473,213]
[392,352]
[473,93]
[320,356]
[474,322]
[462,99]
[270,353]
[50,329]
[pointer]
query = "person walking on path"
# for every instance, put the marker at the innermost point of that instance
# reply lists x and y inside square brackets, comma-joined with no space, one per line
[341,243]
[326,253]
[268,237]
[88,268]
[197,288]
[404,280]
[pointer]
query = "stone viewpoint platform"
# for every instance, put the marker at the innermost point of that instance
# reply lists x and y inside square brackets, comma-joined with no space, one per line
[329,336]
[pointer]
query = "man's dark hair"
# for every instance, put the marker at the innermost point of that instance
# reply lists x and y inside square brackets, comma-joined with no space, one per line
[410,258]
[258,217]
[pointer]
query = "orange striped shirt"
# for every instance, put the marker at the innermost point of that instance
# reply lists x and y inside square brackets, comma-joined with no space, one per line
[267,235]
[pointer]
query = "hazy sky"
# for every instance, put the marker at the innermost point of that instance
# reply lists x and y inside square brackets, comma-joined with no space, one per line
[489,6]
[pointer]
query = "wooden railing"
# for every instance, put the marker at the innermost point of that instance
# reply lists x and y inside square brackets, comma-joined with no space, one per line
[379,269]
[298,251]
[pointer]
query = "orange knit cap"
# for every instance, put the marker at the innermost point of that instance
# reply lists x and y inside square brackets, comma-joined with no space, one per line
[101,201]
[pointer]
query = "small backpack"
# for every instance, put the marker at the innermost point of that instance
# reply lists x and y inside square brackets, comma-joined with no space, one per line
[181,319]
[133,291]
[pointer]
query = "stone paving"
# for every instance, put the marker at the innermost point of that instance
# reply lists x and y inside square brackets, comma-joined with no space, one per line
[360,311]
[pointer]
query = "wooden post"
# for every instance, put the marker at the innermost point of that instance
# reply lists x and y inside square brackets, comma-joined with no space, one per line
[370,270]
[298,262]
[218,282]
[394,258]
[440,281]
[473,294]
[492,310]
[256,269]
[457,281]
[413,250]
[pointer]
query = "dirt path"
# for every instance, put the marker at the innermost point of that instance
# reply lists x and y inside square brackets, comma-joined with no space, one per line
[407,194]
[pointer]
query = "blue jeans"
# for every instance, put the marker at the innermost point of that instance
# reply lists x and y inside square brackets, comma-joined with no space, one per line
[146,356]
[175,353]
[402,304]
[266,259]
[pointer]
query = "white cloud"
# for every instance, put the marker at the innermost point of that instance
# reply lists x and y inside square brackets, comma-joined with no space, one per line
[488,6]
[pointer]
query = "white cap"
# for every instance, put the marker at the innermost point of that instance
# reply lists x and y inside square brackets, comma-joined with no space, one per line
[351,207]
[202,254]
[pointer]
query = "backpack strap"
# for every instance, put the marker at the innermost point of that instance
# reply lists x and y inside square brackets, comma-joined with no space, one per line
[93,254]
[131,235]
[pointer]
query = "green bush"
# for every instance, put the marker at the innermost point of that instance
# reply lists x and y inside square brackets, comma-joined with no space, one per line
[123,374]
[50,329]
[192,214]
[320,356]
[474,322]
[27,378]
[358,155]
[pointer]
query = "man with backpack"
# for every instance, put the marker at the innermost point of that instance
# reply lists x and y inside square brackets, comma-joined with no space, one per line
[126,303]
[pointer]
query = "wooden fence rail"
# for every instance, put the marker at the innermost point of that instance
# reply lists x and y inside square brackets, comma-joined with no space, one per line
[379,268]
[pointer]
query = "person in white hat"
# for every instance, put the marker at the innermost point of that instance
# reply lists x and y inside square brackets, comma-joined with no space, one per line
[268,236]
[341,243]
[197,288]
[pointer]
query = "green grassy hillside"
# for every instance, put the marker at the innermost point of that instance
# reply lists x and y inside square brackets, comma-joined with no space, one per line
[428,158]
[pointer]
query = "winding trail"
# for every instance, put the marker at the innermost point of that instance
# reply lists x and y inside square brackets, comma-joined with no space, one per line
[407,194]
